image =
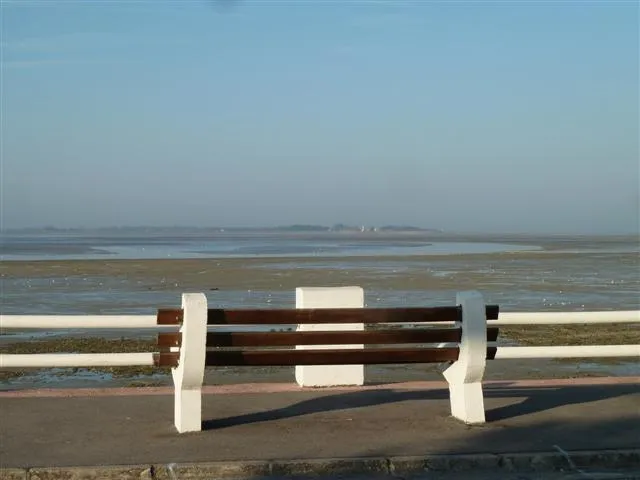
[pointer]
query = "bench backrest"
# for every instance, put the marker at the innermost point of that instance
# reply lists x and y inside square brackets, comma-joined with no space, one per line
[376,344]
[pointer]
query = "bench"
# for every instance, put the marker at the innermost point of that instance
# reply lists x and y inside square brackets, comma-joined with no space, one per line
[455,335]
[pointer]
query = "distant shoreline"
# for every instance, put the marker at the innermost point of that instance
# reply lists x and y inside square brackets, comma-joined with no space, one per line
[108,245]
[304,228]
[258,248]
[315,229]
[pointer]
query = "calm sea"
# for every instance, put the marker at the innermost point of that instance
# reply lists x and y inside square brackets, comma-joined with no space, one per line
[136,245]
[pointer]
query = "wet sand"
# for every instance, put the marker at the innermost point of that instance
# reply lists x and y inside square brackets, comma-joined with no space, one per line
[542,270]
[599,279]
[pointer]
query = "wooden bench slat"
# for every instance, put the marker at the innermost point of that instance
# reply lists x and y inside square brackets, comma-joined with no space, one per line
[330,357]
[165,340]
[166,359]
[318,357]
[167,316]
[284,339]
[491,353]
[290,339]
[492,334]
[323,316]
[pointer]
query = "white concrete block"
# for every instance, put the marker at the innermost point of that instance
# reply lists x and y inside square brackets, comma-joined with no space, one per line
[187,410]
[465,375]
[467,402]
[326,297]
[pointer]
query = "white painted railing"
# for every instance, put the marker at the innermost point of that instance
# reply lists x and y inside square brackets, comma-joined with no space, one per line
[26,322]
[569,351]
[464,376]
[63,360]
[566,318]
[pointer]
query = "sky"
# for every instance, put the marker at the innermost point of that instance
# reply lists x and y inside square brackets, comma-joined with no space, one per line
[463,116]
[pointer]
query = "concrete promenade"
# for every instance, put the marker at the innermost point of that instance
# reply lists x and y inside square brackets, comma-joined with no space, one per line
[267,429]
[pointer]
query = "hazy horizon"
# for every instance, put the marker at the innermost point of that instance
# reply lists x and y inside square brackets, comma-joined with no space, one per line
[465,117]
[284,229]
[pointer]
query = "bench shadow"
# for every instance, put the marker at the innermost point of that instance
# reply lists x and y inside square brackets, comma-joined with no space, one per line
[534,400]
[540,399]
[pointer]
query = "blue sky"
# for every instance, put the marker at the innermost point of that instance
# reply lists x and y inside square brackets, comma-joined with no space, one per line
[466,116]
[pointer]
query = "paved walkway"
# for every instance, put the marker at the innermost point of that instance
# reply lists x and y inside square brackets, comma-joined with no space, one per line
[266,422]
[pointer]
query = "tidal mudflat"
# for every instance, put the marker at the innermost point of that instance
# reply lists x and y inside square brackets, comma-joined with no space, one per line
[560,274]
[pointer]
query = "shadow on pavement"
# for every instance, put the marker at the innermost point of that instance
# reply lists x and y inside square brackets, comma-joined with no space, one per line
[138,429]
[535,400]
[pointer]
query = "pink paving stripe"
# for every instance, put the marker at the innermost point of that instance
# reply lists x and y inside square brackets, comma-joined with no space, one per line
[248,388]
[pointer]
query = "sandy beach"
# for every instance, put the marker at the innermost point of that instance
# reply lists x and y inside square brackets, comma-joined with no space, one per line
[551,268]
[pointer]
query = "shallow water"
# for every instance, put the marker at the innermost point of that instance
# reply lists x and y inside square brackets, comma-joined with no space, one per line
[78,246]
[529,281]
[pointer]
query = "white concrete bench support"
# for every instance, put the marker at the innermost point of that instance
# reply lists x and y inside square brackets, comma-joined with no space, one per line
[189,374]
[465,375]
[330,375]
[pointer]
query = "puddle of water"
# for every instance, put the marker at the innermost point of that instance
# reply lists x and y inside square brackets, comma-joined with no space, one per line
[77,378]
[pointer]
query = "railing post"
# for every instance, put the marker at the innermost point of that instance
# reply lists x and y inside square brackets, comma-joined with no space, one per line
[189,374]
[465,375]
[329,375]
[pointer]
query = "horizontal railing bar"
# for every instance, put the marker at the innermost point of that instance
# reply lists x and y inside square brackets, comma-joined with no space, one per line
[77,321]
[573,351]
[62,360]
[25,322]
[565,318]
[298,357]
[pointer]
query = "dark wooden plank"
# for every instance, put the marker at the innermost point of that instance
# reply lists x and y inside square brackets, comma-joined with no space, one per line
[167,316]
[165,340]
[322,316]
[288,339]
[331,357]
[283,339]
[166,359]
[256,358]
[492,334]
[333,315]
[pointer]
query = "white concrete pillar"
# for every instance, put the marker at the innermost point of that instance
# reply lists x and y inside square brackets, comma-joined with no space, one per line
[465,375]
[329,375]
[189,374]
